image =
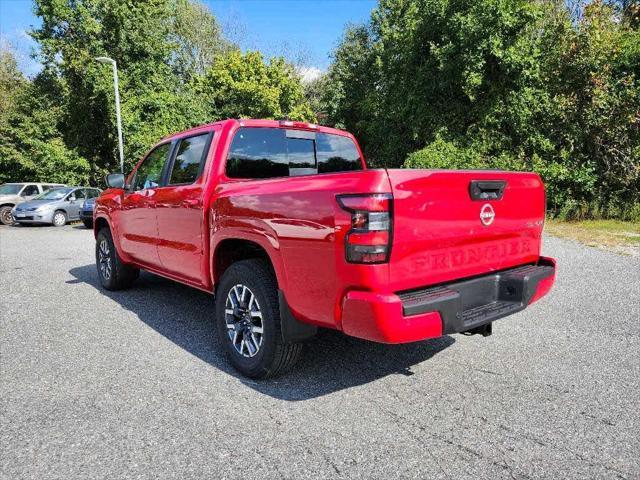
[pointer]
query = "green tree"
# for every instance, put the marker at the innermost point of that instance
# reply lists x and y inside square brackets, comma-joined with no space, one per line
[198,39]
[519,84]
[11,80]
[244,85]
[31,147]
[169,54]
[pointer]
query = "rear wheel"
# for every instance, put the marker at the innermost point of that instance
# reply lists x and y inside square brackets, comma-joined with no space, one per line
[248,321]
[59,218]
[113,273]
[5,216]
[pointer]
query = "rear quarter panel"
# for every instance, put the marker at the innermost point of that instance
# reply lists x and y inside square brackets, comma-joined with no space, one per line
[298,222]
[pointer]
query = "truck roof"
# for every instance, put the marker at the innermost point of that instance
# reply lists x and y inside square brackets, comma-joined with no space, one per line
[254,122]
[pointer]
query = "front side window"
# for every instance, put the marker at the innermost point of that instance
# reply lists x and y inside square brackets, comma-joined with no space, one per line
[189,158]
[276,152]
[29,191]
[149,174]
[77,195]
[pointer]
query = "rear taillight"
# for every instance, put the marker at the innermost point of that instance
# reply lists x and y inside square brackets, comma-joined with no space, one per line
[369,238]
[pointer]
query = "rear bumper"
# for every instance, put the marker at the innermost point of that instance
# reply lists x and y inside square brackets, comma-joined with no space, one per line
[444,309]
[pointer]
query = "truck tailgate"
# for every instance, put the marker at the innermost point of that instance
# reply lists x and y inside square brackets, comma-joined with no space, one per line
[449,225]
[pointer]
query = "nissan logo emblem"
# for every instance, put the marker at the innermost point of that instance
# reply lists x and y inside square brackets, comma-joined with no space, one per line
[487,214]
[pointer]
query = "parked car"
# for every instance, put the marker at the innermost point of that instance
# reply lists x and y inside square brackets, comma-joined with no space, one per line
[86,209]
[290,230]
[12,194]
[57,206]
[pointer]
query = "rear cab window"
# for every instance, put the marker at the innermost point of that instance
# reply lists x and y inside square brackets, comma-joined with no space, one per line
[258,152]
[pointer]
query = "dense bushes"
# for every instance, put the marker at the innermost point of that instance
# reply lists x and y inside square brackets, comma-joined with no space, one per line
[491,84]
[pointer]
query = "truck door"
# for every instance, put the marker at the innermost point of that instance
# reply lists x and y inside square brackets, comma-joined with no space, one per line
[138,224]
[180,210]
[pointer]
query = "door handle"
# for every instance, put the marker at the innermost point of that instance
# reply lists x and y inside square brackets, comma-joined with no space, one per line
[487,189]
[191,203]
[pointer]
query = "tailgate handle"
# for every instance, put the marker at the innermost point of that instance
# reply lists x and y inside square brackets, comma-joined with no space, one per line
[487,189]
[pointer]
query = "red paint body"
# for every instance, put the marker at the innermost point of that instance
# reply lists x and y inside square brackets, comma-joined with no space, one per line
[437,235]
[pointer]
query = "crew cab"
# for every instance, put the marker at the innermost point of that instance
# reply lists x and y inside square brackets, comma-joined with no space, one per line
[284,223]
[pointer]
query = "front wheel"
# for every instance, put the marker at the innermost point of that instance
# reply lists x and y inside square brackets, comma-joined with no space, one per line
[5,216]
[87,223]
[113,273]
[248,321]
[59,219]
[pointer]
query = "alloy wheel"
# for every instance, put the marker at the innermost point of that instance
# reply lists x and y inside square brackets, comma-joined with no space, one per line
[104,259]
[244,320]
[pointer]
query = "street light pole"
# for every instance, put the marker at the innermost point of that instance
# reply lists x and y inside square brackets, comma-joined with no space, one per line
[118,120]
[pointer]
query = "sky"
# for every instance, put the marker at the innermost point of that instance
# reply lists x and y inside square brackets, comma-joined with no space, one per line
[304,31]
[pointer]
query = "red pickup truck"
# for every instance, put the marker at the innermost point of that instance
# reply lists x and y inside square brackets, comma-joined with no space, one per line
[290,230]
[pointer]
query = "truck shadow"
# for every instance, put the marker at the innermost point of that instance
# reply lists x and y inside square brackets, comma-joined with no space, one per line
[331,361]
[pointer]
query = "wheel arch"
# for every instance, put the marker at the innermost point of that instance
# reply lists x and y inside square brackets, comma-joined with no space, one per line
[101,222]
[228,250]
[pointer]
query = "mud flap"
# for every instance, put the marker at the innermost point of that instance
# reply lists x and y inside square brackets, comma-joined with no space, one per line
[293,330]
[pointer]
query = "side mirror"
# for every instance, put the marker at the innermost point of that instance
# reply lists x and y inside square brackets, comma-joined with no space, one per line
[115,180]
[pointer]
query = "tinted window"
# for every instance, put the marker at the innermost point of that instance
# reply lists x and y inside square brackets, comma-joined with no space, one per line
[336,154]
[149,173]
[92,193]
[79,194]
[301,156]
[10,189]
[275,152]
[258,153]
[190,155]
[29,191]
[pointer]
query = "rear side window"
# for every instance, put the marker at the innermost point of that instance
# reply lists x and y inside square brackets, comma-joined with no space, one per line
[92,193]
[258,153]
[336,154]
[276,152]
[189,159]
[149,174]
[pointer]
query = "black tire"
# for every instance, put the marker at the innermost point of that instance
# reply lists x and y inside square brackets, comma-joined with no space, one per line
[87,223]
[5,216]
[273,357]
[59,219]
[112,272]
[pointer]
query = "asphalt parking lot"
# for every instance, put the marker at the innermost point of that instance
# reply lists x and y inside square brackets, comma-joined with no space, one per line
[133,384]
